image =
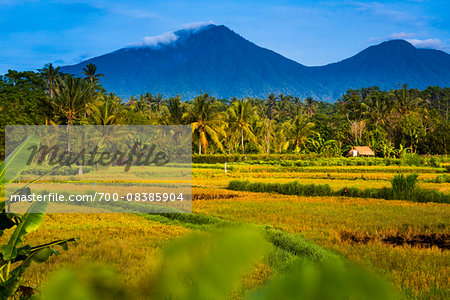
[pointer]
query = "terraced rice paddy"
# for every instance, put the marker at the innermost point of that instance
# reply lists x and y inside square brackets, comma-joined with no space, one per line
[407,242]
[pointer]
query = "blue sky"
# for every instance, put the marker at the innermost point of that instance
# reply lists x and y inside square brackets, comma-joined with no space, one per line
[34,33]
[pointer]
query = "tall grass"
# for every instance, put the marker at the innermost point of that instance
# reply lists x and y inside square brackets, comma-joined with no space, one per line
[403,188]
[291,188]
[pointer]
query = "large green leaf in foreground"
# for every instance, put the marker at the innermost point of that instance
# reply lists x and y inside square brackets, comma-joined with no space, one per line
[16,162]
[29,222]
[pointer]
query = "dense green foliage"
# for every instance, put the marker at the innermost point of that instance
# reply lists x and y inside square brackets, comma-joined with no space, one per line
[312,159]
[15,258]
[393,123]
[23,101]
[403,188]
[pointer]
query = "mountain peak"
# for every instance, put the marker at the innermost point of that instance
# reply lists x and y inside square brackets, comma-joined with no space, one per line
[171,37]
[396,44]
[386,51]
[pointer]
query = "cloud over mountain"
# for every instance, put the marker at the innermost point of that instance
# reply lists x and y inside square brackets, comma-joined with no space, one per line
[171,36]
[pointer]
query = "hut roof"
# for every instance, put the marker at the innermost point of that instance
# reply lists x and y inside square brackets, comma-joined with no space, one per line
[362,150]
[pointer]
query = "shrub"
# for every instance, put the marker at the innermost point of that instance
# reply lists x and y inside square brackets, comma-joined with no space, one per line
[254,158]
[350,192]
[291,188]
[434,161]
[412,159]
[402,186]
[443,178]
[310,160]
[429,196]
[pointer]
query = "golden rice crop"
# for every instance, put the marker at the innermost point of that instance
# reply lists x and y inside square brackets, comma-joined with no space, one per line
[127,243]
[357,228]
[325,220]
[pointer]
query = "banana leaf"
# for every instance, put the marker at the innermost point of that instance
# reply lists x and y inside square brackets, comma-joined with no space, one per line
[29,222]
[17,160]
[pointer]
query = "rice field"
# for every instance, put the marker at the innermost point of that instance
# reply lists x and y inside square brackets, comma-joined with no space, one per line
[407,242]
[127,243]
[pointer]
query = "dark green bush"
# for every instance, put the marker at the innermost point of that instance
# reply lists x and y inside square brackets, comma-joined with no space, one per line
[412,159]
[403,186]
[434,161]
[350,192]
[256,158]
[419,195]
[403,189]
[444,178]
[291,188]
[310,160]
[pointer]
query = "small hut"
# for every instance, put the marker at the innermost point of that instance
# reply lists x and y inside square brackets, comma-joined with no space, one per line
[360,151]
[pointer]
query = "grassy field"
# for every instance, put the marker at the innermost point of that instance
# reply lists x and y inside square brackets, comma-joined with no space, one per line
[407,242]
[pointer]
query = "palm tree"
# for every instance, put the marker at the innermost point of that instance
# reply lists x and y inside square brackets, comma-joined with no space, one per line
[283,105]
[406,100]
[405,103]
[174,109]
[139,105]
[298,131]
[267,131]
[311,106]
[106,110]
[270,113]
[351,105]
[72,95]
[50,74]
[155,102]
[206,120]
[241,114]
[375,107]
[272,109]
[90,72]
[401,99]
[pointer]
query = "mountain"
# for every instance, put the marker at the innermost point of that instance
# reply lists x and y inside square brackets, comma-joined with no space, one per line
[386,65]
[214,58]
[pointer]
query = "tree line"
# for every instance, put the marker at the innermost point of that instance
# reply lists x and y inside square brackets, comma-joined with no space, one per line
[390,122]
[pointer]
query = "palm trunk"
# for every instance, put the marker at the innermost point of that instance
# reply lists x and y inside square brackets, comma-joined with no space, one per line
[242,140]
[203,143]
[200,141]
[50,89]
[69,133]
[80,168]
[267,138]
